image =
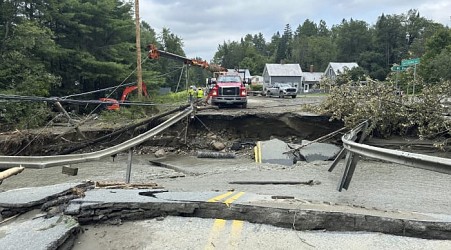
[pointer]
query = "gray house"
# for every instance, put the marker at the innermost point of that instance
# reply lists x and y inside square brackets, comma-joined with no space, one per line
[334,69]
[282,73]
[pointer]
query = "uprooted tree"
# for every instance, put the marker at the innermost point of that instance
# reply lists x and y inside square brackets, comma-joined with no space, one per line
[390,112]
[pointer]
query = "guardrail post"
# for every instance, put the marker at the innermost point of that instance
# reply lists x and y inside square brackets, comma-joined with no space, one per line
[352,166]
[354,160]
[348,161]
[129,166]
[337,159]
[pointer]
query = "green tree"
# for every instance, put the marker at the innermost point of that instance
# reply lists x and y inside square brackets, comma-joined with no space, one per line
[260,44]
[307,29]
[352,38]
[435,63]
[23,72]
[283,51]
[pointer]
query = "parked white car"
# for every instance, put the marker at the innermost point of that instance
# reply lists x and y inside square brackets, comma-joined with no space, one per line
[281,90]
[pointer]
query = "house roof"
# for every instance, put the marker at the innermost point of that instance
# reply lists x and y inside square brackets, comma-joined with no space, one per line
[339,67]
[283,69]
[312,76]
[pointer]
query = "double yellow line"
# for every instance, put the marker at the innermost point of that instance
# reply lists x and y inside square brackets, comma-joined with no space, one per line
[224,196]
[214,239]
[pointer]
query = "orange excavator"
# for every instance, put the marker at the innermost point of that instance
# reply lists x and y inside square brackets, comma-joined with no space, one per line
[115,104]
[155,53]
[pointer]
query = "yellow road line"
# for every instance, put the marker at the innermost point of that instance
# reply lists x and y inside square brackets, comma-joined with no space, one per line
[259,152]
[220,197]
[237,227]
[218,226]
[255,154]
[233,198]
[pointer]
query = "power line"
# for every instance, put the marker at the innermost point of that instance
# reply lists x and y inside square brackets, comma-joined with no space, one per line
[95,91]
[74,101]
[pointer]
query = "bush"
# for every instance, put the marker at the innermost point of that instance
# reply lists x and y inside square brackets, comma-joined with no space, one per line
[388,112]
[172,98]
[23,115]
[256,87]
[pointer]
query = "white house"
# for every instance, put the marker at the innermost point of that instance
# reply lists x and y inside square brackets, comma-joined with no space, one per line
[257,80]
[310,80]
[282,73]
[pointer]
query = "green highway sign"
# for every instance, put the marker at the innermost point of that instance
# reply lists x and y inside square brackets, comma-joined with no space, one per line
[398,68]
[410,62]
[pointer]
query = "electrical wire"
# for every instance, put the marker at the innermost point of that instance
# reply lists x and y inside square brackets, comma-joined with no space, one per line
[96,91]
[40,132]
[12,97]
[75,101]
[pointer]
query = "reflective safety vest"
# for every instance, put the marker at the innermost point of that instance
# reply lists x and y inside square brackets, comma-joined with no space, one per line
[200,93]
[191,92]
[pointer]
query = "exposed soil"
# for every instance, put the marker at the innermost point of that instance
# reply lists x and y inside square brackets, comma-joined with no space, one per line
[264,118]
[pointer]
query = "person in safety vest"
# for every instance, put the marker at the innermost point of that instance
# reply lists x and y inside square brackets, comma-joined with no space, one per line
[200,94]
[191,93]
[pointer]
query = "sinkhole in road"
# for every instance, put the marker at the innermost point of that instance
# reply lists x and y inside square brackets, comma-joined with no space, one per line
[196,132]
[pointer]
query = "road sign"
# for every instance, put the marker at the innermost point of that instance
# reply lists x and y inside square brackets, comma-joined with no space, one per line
[410,62]
[398,68]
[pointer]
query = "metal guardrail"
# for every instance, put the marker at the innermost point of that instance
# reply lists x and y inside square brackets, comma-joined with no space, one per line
[355,150]
[58,160]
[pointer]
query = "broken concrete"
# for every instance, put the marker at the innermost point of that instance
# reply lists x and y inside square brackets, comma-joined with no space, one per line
[160,153]
[273,151]
[114,206]
[25,199]
[110,206]
[38,233]
[318,151]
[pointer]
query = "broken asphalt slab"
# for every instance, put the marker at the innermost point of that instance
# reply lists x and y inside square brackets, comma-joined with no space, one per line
[274,151]
[25,199]
[114,206]
[39,233]
[318,151]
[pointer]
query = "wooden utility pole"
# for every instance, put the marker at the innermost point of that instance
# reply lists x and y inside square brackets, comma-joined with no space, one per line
[138,50]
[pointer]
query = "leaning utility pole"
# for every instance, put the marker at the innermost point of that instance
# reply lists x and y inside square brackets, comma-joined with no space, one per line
[138,50]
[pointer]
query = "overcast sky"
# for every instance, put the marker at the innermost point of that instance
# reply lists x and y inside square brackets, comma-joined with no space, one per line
[204,24]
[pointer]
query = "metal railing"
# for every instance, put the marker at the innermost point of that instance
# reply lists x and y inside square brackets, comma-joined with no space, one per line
[59,160]
[355,150]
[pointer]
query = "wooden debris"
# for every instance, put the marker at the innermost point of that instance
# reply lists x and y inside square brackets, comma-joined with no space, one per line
[10,172]
[310,182]
[69,170]
[10,218]
[123,185]
[282,197]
